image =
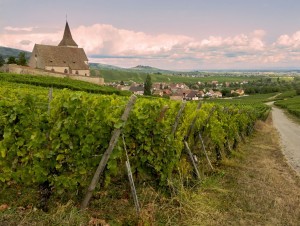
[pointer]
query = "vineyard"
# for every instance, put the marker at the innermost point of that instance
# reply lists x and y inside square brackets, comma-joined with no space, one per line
[291,104]
[60,140]
[59,83]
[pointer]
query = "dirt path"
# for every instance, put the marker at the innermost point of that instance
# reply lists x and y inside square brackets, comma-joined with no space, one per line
[290,137]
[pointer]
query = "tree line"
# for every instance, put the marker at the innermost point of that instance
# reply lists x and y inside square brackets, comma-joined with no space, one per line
[20,60]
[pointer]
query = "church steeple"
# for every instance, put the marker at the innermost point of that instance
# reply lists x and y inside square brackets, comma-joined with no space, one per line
[67,39]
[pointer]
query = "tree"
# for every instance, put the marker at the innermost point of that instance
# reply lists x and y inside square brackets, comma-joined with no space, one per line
[11,60]
[226,92]
[147,86]
[22,59]
[2,61]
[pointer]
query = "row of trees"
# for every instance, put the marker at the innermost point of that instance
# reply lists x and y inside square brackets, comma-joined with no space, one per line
[21,60]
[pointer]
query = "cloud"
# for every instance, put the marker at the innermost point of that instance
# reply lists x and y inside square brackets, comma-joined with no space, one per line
[9,28]
[108,44]
[25,42]
[292,41]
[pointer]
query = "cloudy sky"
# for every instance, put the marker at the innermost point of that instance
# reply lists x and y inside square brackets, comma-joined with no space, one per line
[168,34]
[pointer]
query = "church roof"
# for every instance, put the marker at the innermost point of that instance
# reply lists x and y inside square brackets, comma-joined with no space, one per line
[61,56]
[67,38]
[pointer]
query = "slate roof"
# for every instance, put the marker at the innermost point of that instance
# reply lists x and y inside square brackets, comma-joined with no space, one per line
[61,56]
[67,38]
[136,88]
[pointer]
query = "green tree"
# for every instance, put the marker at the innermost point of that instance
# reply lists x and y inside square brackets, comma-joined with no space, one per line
[2,61]
[11,60]
[226,92]
[22,59]
[147,86]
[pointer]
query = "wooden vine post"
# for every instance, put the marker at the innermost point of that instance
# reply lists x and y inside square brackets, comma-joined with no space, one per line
[50,97]
[130,178]
[186,143]
[205,152]
[178,116]
[113,141]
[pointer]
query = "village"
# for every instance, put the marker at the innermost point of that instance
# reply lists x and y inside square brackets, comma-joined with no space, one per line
[181,91]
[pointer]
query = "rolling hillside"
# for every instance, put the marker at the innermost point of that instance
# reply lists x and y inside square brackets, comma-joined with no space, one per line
[7,52]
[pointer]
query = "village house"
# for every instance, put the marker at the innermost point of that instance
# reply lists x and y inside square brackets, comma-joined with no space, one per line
[240,92]
[137,90]
[177,86]
[65,58]
[180,94]
[192,95]
[213,94]
[158,93]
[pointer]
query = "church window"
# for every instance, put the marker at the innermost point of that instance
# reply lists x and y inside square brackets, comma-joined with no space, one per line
[66,71]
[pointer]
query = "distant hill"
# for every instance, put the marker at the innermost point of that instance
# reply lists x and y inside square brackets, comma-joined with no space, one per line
[7,52]
[138,69]
[148,69]
[104,66]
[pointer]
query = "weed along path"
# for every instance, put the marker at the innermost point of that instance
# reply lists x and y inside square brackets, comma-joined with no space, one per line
[290,137]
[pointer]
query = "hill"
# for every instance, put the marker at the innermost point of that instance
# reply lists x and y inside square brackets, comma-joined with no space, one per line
[58,83]
[7,52]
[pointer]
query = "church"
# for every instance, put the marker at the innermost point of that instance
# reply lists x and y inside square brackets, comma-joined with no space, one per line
[65,58]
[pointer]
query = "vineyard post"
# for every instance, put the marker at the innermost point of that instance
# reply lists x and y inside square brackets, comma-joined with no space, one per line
[186,144]
[50,97]
[131,181]
[113,141]
[204,150]
[178,116]
[192,159]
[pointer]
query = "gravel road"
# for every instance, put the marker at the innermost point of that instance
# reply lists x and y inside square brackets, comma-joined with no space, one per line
[290,137]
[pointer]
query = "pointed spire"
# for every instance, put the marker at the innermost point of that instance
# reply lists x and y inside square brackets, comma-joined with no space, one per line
[67,39]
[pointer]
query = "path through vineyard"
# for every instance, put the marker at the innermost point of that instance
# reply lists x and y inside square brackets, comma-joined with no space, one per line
[261,188]
[290,137]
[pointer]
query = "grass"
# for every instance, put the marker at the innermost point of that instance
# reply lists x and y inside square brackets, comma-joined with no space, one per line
[253,187]
[287,94]
[110,75]
[292,105]
[59,83]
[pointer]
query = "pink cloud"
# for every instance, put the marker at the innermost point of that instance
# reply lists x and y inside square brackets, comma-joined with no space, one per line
[127,47]
[9,28]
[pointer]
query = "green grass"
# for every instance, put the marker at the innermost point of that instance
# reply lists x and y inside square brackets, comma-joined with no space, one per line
[59,83]
[291,104]
[251,99]
[113,75]
[287,94]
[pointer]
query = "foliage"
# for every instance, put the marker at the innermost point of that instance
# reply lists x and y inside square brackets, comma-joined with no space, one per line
[287,94]
[2,61]
[129,75]
[63,145]
[11,60]
[291,104]
[147,86]
[22,59]
[60,83]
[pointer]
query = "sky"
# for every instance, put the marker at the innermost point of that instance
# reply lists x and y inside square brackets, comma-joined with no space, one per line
[167,34]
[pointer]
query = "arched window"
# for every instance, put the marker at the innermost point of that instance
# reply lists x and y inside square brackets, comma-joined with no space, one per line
[76,73]
[52,70]
[66,71]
